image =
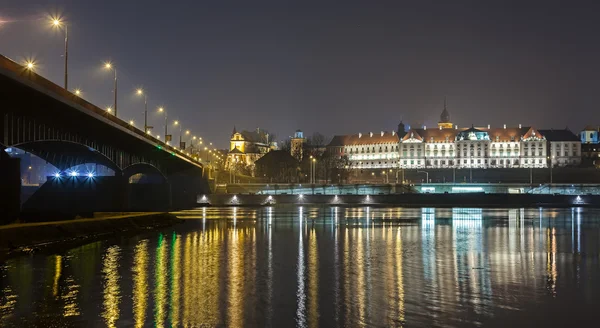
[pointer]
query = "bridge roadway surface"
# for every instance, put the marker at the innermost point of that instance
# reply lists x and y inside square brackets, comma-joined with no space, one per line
[42,118]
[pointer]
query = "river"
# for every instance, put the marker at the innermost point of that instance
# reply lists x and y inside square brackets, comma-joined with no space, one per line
[309,266]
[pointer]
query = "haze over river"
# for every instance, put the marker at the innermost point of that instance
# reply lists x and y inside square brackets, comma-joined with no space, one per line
[291,266]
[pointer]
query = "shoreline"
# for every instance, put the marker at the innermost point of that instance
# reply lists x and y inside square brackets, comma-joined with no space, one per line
[480,200]
[26,238]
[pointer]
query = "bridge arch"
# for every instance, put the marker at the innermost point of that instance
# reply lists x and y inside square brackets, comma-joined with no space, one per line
[66,154]
[142,168]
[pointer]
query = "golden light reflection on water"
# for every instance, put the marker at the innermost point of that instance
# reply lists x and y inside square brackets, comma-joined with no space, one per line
[175,276]
[57,272]
[71,307]
[140,282]
[112,296]
[235,283]
[160,288]
[551,271]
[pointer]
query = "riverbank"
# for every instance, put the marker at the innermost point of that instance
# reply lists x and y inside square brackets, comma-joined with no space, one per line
[409,200]
[23,238]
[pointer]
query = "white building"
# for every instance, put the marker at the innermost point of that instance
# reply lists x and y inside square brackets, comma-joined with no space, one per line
[447,146]
[565,147]
[368,151]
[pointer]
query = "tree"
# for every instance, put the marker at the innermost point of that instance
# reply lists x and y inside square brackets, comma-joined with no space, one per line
[286,145]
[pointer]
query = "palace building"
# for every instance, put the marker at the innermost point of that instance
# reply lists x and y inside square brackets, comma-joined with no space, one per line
[447,146]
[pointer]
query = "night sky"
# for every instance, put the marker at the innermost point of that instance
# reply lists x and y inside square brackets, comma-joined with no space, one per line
[334,67]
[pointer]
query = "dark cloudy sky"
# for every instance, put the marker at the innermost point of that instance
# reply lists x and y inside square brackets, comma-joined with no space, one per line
[328,66]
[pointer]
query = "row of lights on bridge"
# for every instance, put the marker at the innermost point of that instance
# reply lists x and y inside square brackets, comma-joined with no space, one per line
[30,64]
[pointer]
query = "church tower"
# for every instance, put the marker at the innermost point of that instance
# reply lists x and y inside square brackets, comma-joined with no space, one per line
[401,129]
[444,122]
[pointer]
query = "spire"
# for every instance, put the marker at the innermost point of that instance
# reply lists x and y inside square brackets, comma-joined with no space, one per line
[234,131]
[445,116]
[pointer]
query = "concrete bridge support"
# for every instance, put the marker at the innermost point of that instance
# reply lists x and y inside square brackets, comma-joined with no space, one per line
[10,188]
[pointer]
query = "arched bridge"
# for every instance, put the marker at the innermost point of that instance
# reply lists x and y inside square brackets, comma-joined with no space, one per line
[46,120]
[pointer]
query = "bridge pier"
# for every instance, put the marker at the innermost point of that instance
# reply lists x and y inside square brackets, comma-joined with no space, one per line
[10,188]
[185,188]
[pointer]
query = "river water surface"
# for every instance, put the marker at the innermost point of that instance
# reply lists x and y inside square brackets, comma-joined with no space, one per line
[321,266]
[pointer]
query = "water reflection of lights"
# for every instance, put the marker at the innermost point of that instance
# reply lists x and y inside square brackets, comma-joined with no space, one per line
[175,275]
[70,298]
[112,294]
[313,279]
[270,269]
[235,216]
[160,288]
[399,276]
[140,284]
[467,214]
[301,292]
[57,272]
[236,274]
[270,216]
[551,271]
[427,216]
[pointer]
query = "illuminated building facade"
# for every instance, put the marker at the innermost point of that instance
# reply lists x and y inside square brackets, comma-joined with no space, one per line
[246,147]
[448,146]
[368,151]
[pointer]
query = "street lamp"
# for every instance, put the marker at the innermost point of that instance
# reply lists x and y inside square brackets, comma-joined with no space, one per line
[180,130]
[57,23]
[30,65]
[314,169]
[109,109]
[140,92]
[109,66]
[77,92]
[162,110]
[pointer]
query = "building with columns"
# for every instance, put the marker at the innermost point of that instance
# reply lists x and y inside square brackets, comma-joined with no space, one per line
[447,146]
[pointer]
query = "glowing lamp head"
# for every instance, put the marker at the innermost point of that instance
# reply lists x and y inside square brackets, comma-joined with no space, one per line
[108,65]
[176,123]
[109,109]
[73,173]
[30,65]
[187,132]
[90,175]
[57,175]
[140,92]
[131,122]
[77,92]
